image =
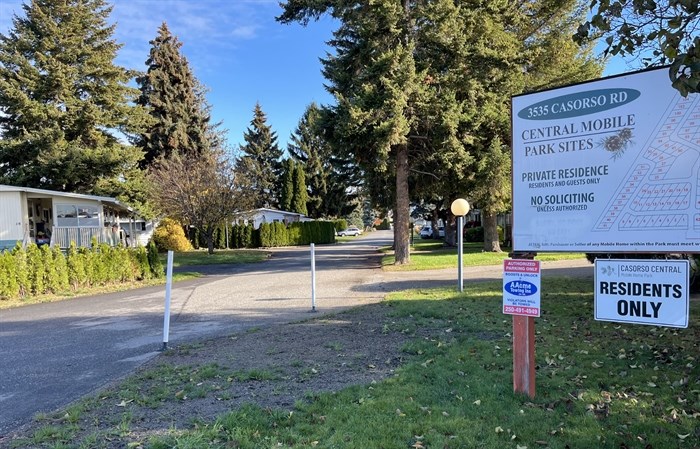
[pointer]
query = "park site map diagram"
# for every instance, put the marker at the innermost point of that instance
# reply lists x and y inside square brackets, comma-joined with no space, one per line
[661,191]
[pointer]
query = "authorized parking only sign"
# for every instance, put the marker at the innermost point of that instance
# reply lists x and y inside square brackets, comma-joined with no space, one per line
[521,287]
[653,292]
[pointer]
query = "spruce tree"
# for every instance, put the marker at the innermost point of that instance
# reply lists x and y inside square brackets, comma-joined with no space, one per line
[175,100]
[287,187]
[63,101]
[300,194]
[260,163]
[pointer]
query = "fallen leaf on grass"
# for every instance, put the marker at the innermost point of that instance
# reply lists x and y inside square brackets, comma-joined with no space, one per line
[499,429]
[123,403]
[426,363]
[477,402]
[683,437]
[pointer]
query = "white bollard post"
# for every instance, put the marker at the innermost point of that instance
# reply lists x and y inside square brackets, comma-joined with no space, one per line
[168,289]
[313,278]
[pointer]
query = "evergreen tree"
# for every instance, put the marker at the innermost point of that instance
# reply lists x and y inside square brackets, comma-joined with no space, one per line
[176,102]
[330,176]
[423,91]
[63,101]
[260,163]
[287,188]
[300,194]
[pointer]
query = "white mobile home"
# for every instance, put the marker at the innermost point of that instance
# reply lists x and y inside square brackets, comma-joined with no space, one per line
[30,215]
[256,217]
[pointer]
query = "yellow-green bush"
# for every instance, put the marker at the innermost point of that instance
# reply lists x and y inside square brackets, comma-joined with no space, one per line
[169,235]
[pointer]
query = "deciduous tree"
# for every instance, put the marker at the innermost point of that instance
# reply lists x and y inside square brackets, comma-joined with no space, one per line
[201,190]
[659,32]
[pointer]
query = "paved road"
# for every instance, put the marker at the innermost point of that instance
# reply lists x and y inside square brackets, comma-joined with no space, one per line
[52,354]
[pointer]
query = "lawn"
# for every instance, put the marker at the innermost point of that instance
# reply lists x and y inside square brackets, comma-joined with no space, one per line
[599,385]
[220,256]
[428,254]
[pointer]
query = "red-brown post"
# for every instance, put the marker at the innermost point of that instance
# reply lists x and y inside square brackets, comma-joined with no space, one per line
[524,355]
[524,346]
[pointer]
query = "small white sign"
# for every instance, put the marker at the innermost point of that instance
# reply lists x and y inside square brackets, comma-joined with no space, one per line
[521,287]
[653,292]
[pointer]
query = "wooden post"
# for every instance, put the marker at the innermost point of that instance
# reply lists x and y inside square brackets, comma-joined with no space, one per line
[524,347]
[524,355]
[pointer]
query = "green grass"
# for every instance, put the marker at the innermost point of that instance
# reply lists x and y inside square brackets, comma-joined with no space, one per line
[600,385]
[431,254]
[220,256]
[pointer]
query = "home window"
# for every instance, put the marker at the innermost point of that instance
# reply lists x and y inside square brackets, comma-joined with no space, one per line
[77,215]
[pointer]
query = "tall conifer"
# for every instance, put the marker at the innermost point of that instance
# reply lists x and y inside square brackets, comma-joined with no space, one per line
[287,187]
[330,177]
[176,102]
[64,104]
[300,194]
[260,162]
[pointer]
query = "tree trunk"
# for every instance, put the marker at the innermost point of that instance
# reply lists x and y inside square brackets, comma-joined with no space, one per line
[434,217]
[209,233]
[451,230]
[401,212]
[491,241]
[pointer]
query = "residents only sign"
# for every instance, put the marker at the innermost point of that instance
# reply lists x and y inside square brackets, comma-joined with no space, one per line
[609,165]
[653,292]
[521,287]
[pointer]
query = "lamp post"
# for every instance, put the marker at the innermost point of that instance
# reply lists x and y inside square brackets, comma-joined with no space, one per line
[459,208]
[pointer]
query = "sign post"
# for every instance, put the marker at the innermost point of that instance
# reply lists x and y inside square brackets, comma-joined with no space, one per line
[521,298]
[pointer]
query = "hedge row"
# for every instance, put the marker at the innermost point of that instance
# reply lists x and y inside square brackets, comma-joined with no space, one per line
[272,234]
[477,234]
[43,270]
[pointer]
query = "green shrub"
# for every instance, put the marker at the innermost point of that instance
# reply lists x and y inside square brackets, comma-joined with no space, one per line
[154,261]
[36,270]
[340,224]
[169,235]
[77,275]
[22,269]
[144,268]
[265,230]
[384,225]
[59,261]
[477,234]
[474,234]
[9,287]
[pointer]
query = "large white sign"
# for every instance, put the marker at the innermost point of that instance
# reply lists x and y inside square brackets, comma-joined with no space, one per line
[521,287]
[638,291]
[611,165]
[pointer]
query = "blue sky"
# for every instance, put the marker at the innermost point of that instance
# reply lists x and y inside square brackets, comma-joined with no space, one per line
[238,50]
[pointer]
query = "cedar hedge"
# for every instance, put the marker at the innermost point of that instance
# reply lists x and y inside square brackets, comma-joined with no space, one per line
[43,270]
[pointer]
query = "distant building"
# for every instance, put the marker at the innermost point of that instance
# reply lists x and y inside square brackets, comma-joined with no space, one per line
[256,217]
